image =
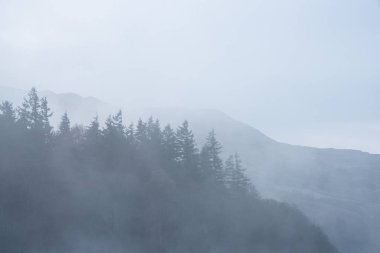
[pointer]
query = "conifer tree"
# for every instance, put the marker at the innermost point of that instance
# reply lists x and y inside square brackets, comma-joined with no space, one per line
[46,114]
[7,121]
[35,108]
[154,132]
[114,127]
[239,181]
[169,143]
[64,126]
[93,131]
[210,157]
[114,140]
[141,132]
[229,168]
[186,148]
[205,162]
[8,114]
[93,137]
[118,122]
[150,127]
[30,111]
[109,127]
[130,133]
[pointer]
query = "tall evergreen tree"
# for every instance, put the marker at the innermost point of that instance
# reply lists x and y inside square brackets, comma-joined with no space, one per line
[229,168]
[169,144]
[8,114]
[205,162]
[93,139]
[30,111]
[239,181]
[186,149]
[210,157]
[46,114]
[93,131]
[130,133]
[7,125]
[109,126]
[118,122]
[114,140]
[150,127]
[141,132]
[35,106]
[64,126]
[154,132]
[114,126]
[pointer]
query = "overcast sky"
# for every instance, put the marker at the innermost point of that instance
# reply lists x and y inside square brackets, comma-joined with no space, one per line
[302,71]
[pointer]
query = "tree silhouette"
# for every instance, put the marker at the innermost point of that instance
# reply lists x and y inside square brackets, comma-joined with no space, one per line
[143,190]
[64,126]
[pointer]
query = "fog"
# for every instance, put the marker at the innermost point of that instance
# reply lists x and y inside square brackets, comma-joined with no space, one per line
[142,188]
[273,136]
[257,61]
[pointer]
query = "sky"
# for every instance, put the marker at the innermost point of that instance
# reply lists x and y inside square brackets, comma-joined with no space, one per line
[302,71]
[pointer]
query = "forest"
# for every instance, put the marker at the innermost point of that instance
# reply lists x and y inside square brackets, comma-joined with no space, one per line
[140,188]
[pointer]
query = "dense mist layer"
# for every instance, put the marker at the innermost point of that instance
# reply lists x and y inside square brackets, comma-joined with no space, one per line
[136,189]
[295,69]
[336,189]
[291,89]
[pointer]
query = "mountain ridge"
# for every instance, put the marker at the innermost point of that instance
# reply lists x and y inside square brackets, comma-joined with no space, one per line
[336,188]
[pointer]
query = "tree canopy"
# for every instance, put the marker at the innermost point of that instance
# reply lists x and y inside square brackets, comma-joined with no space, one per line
[132,189]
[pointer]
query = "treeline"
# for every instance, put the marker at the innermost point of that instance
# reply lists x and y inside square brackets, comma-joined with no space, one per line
[137,188]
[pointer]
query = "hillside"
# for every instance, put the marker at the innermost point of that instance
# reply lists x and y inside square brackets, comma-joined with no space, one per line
[337,189]
[143,189]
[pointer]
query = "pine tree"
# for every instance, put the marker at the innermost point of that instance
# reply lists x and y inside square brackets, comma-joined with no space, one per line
[114,140]
[64,126]
[8,114]
[30,111]
[93,138]
[46,114]
[114,126]
[35,106]
[118,123]
[239,181]
[131,146]
[229,168]
[205,162]
[169,143]
[108,125]
[141,132]
[7,126]
[186,148]
[154,134]
[210,157]
[130,133]
[93,131]
[150,127]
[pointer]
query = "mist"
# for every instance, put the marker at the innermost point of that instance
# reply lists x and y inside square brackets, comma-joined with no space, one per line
[255,60]
[189,126]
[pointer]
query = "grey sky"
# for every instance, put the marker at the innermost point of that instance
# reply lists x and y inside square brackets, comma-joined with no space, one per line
[302,71]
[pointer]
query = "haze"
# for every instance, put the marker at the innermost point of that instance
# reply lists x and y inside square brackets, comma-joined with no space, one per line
[258,61]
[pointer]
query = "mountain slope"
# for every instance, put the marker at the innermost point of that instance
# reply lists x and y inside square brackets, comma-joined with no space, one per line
[337,189]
